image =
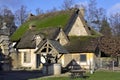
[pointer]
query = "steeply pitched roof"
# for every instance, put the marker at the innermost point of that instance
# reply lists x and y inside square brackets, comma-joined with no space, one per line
[55,44]
[82,44]
[48,26]
[50,33]
[55,19]
[28,39]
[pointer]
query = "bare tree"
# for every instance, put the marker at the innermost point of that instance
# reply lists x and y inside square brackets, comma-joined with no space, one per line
[115,23]
[94,15]
[91,10]
[6,16]
[67,4]
[110,46]
[39,11]
[21,15]
[54,9]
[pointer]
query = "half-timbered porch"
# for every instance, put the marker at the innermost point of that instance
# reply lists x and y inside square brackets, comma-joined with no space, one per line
[50,51]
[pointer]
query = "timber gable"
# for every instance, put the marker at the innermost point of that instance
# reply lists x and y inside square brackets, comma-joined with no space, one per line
[52,44]
[51,49]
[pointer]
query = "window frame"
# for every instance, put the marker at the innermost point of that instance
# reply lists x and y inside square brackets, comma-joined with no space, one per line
[83,57]
[26,57]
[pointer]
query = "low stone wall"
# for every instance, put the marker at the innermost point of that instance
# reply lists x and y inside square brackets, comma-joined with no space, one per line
[51,69]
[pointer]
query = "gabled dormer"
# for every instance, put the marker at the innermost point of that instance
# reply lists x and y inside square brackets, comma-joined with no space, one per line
[77,25]
[62,37]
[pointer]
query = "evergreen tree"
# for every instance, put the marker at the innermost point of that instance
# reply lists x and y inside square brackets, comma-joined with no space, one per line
[105,28]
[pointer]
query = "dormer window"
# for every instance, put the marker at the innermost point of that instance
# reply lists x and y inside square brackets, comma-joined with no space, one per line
[27,57]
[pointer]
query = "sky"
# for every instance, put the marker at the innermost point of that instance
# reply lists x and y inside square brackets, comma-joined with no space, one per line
[110,5]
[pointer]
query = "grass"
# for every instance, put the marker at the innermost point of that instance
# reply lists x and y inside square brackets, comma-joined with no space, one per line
[103,75]
[99,75]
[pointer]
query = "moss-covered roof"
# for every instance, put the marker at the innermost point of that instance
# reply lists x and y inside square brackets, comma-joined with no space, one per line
[55,19]
[82,44]
[28,39]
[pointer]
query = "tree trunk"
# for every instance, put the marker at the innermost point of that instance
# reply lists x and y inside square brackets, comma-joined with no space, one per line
[118,61]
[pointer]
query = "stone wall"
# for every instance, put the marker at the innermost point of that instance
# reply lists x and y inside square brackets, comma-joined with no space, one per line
[78,29]
[32,63]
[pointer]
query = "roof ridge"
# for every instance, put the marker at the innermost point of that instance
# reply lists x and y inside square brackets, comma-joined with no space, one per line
[50,13]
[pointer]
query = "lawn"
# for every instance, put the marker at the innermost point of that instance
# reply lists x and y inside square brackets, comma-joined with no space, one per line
[99,75]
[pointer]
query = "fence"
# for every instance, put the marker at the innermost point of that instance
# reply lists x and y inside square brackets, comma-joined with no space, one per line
[107,64]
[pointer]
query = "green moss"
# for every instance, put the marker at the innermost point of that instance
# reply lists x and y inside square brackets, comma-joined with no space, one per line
[95,33]
[82,38]
[80,41]
[57,20]
[19,32]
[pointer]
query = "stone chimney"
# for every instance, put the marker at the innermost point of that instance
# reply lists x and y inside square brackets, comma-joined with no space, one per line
[82,11]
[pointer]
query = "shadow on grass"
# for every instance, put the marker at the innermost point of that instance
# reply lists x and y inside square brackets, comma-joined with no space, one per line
[20,75]
[79,77]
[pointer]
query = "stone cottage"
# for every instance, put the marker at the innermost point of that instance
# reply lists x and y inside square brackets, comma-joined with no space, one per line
[63,37]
